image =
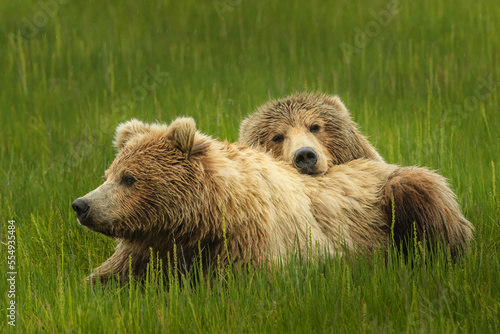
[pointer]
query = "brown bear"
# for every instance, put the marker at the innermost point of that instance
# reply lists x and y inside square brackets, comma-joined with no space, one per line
[314,132]
[174,186]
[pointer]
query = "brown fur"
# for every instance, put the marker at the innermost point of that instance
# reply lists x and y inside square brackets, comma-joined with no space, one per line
[422,199]
[184,179]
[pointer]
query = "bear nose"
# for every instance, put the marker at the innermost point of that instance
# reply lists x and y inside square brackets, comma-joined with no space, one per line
[305,158]
[81,208]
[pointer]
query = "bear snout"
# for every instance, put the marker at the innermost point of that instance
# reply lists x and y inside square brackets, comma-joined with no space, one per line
[304,159]
[81,208]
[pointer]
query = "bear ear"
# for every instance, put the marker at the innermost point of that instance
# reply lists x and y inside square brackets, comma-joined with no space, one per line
[181,132]
[128,130]
[336,102]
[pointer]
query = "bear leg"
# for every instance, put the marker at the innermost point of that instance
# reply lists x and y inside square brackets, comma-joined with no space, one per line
[118,264]
[424,203]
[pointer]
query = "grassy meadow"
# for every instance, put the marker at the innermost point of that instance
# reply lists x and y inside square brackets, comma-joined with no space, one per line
[422,78]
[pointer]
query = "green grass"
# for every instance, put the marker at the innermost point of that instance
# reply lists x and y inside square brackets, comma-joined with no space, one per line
[412,88]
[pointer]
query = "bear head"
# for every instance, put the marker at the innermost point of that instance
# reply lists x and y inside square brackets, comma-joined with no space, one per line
[312,131]
[152,173]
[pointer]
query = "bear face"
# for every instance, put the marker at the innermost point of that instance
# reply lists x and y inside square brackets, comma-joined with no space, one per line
[137,198]
[311,131]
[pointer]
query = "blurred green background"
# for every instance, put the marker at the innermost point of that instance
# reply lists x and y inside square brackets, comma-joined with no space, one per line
[420,77]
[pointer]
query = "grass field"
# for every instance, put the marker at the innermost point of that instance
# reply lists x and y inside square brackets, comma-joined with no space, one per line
[421,78]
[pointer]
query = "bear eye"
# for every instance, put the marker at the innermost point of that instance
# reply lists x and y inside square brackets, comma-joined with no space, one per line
[278,139]
[128,180]
[314,128]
